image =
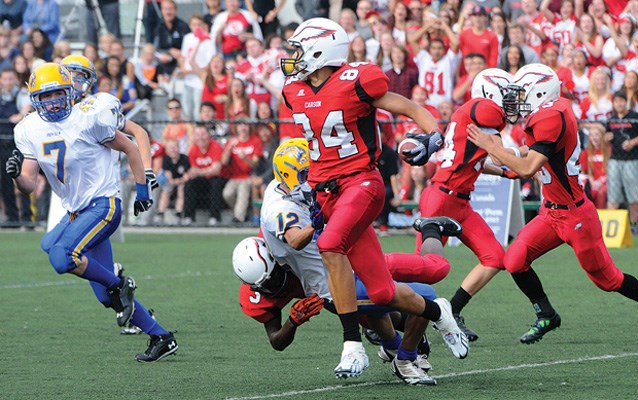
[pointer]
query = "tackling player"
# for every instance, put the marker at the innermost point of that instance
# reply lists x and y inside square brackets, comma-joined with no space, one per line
[334,104]
[72,146]
[291,235]
[452,185]
[567,215]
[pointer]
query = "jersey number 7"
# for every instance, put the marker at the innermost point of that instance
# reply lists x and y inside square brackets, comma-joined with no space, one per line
[60,147]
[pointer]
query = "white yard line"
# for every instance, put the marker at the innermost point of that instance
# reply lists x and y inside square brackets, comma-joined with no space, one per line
[450,375]
[29,285]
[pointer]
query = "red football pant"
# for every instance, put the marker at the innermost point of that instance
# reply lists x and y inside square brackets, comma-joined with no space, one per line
[477,235]
[580,228]
[410,267]
[349,214]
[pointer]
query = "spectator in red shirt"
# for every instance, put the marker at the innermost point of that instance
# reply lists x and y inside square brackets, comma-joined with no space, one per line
[473,64]
[204,189]
[587,36]
[242,154]
[549,57]
[231,29]
[478,39]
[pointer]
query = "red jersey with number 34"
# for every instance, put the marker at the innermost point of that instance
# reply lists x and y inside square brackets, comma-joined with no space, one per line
[462,161]
[552,130]
[339,120]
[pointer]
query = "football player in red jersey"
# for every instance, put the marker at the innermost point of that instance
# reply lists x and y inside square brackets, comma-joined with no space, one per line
[334,104]
[451,186]
[567,215]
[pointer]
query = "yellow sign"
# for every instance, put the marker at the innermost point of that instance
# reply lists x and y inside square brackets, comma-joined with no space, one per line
[616,228]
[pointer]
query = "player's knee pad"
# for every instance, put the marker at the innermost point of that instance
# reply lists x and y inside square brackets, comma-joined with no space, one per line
[382,295]
[441,267]
[515,260]
[600,268]
[61,259]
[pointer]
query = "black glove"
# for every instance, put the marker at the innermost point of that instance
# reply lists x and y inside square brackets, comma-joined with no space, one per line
[430,144]
[14,164]
[151,178]
[143,201]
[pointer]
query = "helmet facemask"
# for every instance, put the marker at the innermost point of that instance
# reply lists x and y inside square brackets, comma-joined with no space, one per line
[514,104]
[274,284]
[47,108]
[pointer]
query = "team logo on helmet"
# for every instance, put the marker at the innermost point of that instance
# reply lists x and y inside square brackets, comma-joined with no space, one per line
[314,32]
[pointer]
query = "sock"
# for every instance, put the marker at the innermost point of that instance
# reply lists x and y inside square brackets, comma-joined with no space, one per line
[543,308]
[431,231]
[530,284]
[350,324]
[95,272]
[179,215]
[460,300]
[404,354]
[393,343]
[432,310]
[629,287]
[142,319]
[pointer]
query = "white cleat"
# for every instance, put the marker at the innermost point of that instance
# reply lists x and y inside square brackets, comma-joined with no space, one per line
[353,361]
[386,355]
[410,373]
[453,337]
[423,363]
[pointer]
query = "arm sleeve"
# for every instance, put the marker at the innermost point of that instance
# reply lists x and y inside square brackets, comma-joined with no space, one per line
[487,114]
[547,131]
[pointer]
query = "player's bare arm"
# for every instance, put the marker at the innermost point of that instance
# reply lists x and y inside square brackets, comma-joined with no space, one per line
[298,238]
[525,167]
[398,104]
[142,140]
[27,181]
[280,336]
[123,144]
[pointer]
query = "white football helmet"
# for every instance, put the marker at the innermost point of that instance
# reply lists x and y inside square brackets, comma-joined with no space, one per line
[491,84]
[255,266]
[319,42]
[533,85]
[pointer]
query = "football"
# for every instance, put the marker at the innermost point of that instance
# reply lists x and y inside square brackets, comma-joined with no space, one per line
[407,144]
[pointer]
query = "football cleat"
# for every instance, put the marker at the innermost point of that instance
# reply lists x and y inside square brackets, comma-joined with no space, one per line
[118,269]
[372,336]
[453,337]
[122,296]
[446,225]
[410,373]
[131,329]
[423,362]
[158,348]
[386,355]
[539,328]
[353,361]
[470,334]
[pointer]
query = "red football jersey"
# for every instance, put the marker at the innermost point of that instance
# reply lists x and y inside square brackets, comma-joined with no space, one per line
[263,308]
[339,120]
[552,130]
[461,161]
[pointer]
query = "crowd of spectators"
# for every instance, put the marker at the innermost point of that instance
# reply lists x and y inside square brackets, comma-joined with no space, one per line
[223,65]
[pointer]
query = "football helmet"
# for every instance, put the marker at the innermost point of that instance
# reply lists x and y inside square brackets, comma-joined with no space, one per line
[50,77]
[83,73]
[491,84]
[532,85]
[291,163]
[319,42]
[255,266]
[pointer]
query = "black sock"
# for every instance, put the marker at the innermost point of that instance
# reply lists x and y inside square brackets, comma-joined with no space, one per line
[629,287]
[179,215]
[432,310]
[460,300]
[431,231]
[350,324]
[543,308]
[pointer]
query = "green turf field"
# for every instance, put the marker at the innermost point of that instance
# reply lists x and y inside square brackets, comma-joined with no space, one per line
[59,343]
